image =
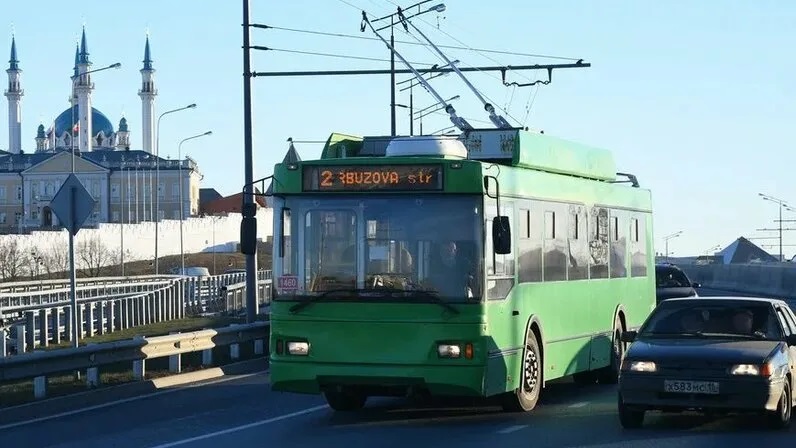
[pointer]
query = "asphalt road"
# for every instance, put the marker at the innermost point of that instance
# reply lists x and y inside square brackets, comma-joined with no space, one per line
[241,411]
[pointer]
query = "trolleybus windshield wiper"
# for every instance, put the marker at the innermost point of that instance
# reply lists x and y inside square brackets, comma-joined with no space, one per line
[433,295]
[358,292]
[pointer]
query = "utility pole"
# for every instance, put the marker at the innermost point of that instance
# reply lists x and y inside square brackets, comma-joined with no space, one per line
[249,209]
[392,77]
[666,241]
[782,205]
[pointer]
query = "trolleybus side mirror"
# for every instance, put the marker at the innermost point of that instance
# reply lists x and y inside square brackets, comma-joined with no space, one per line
[248,236]
[501,235]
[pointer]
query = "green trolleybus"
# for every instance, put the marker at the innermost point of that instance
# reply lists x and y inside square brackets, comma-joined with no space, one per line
[483,265]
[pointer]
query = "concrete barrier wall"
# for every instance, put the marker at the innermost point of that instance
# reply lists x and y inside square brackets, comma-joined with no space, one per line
[775,280]
[201,234]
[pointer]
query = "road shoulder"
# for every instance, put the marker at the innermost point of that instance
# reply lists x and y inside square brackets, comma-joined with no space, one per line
[91,399]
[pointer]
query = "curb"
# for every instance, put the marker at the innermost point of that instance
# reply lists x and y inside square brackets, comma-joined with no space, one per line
[126,391]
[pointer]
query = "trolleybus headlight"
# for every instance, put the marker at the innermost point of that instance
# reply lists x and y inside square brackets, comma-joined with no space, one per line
[449,350]
[298,348]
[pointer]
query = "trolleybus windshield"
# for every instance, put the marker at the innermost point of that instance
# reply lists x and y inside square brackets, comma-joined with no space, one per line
[430,244]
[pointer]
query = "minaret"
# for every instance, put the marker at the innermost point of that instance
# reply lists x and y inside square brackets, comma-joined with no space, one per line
[83,87]
[147,94]
[123,135]
[73,97]
[14,95]
[41,139]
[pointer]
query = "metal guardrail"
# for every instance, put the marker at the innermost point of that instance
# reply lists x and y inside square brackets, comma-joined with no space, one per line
[233,297]
[39,365]
[50,323]
[44,285]
[11,301]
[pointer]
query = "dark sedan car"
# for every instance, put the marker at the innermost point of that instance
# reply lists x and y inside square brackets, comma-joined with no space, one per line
[671,283]
[714,355]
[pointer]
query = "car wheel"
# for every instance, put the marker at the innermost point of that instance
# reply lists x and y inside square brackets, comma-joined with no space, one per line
[780,419]
[345,400]
[629,418]
[526,396]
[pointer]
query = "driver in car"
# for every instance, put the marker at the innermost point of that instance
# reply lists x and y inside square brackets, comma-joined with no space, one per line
[743,321]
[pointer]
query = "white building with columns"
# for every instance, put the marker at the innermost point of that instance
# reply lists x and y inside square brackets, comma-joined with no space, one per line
[121,179]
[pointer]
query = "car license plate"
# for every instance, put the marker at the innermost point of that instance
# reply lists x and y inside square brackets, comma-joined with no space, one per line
[691,387]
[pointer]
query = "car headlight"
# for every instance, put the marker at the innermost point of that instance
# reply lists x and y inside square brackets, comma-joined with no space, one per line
[745,369]
[752,369]
[298,348]
[639,366]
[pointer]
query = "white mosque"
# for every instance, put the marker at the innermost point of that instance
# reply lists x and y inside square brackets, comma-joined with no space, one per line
[120,179]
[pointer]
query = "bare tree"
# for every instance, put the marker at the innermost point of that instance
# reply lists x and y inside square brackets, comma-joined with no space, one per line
[56,261]
[13,260]
[94,255]
[117,260]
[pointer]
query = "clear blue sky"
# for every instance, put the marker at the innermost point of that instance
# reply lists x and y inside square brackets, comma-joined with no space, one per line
[696,98]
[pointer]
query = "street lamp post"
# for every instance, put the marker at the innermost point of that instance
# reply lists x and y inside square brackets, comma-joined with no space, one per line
[782,204]
[72,265]
[666,241]
[179,161]
[157,176]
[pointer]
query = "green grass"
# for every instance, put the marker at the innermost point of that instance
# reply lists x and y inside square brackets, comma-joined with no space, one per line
[19,392]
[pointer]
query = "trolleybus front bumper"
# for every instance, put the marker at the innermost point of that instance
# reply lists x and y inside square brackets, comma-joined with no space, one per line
[378,380]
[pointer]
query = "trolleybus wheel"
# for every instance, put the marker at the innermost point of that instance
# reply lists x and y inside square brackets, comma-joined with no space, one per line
[525,397]
[345,400]
[610,374]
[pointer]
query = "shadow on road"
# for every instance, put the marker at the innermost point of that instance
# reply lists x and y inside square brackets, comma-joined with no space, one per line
[409,410]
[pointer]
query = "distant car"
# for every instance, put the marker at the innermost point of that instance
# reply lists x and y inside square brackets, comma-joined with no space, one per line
[671,283]
[714,355]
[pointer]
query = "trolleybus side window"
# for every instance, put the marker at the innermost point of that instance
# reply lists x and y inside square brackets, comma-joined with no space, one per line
[638,245]
[556,256]
[618,244]
[578,243]
[598,242]
[500,267]
[529,245]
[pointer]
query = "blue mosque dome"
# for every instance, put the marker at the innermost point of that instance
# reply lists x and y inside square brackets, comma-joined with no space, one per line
[68,118]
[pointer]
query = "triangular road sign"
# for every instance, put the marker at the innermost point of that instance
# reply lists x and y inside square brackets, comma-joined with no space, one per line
[72,204]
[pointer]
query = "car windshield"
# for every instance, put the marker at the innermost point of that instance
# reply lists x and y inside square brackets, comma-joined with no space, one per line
[677,318]
[345,247]
[671,278]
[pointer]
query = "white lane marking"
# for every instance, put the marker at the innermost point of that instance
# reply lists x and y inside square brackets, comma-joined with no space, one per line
[127,400]
[242,427]
[579,405]
[511,429]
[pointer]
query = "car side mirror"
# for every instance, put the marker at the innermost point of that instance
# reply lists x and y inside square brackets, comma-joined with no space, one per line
[696,285]
[628,336]
[791,339]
